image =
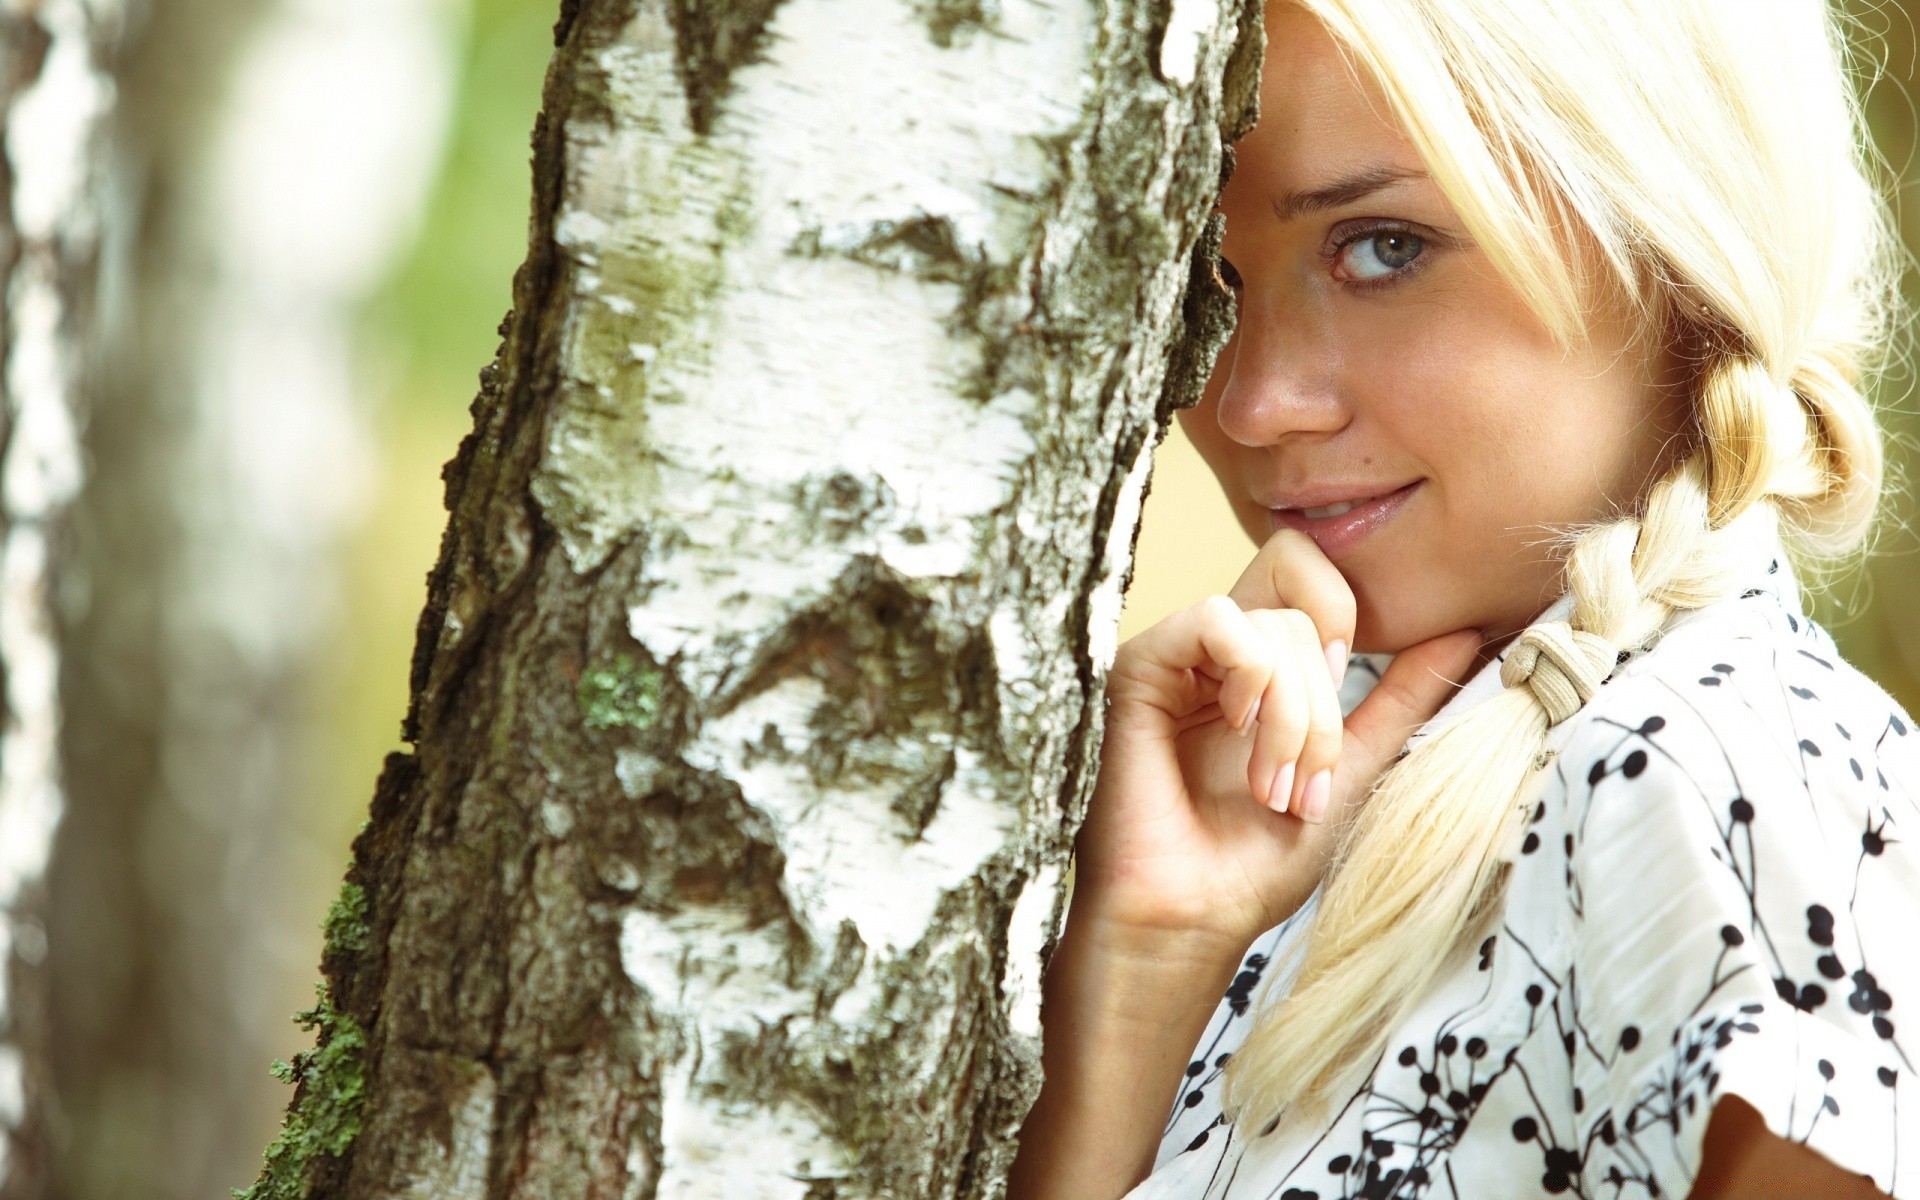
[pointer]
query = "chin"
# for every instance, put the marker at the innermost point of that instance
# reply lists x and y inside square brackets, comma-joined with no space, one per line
[1390,619]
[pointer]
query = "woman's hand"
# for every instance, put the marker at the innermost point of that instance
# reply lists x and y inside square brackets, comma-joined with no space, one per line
[1226,769]
[1182,861]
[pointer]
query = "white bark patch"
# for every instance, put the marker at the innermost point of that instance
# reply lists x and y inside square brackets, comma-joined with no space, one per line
[438,1169]
[50,144]
[50,129]
[834,369]
[849,855]
[1033,674]
[738,971]
[942,465]
[830,364]
[13,1091]
[714,1150]
[713,975]
[812,357]
[1103,622]
[1027,932]
[1185,38]
[30,799]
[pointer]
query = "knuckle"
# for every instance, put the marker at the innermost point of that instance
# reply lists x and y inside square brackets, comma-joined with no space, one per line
[1294,719]
[1220,604]
[1217,610]
[1325,720]
[1268,622]
[1322,743]
[1300,623]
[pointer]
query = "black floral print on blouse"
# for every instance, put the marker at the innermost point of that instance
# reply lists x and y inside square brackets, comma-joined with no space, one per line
[1714,894]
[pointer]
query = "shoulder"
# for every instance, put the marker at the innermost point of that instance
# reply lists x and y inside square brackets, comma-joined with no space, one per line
[1745,700]
[1740,895]
[1742,753]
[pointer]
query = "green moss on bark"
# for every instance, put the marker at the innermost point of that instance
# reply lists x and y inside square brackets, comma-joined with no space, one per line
[324,1118]
[346,926]
[626,693]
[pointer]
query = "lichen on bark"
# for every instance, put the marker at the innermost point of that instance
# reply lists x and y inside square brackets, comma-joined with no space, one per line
[346,925]
[621,693]
[330,1088]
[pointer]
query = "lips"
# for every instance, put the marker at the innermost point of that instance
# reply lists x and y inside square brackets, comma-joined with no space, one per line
[1338,520]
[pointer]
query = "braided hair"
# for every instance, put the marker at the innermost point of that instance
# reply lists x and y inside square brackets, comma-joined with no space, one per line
[1728,193]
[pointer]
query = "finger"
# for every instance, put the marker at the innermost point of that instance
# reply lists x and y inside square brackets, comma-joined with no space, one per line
[1232,643]
[1214,638]
[1286,711]
[1415,685]
[1320,750]
[1290,571]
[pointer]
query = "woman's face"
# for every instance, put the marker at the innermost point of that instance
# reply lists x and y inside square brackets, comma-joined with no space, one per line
[1379,354]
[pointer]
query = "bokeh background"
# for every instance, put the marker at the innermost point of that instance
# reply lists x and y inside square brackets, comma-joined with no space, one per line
[324,203]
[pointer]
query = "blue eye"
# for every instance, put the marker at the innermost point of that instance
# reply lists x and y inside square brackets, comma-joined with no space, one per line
[1381,253]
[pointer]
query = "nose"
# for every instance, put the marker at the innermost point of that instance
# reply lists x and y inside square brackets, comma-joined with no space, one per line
[1284,376]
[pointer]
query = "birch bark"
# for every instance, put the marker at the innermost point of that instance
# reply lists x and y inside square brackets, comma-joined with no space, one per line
[54,95]
[759,681]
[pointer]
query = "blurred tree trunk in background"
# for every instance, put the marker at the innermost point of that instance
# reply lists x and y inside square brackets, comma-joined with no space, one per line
[757,690]
[268,155]
[55,94]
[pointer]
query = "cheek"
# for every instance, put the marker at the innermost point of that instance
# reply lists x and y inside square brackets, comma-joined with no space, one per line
[1515,439]
[1447,395]
[1503,420]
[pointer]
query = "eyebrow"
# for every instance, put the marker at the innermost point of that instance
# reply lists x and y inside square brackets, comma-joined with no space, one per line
[1341,191]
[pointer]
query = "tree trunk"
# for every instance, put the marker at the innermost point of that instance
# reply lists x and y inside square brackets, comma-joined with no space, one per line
[253,212]
[54,95]
[759,683]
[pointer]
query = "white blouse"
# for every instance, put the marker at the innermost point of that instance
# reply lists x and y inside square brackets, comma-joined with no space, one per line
[1714,895]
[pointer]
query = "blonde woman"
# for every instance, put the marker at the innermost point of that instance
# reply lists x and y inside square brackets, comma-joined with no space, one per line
[1553,315]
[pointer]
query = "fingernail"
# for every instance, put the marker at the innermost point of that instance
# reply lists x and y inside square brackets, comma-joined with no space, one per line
[1337,661]
[1313,805]
[1253,717]
[1282,789]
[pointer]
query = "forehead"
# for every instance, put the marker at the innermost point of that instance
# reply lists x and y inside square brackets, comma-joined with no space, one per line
[1319,115]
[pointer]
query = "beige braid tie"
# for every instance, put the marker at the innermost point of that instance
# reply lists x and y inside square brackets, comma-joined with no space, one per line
[1564,666]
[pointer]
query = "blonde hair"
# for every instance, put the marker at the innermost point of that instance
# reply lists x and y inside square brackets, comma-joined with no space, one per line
[1709,155]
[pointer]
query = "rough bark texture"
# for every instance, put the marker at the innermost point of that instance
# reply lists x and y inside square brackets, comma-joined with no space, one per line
[758,686]
[54,94]
[252,212]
